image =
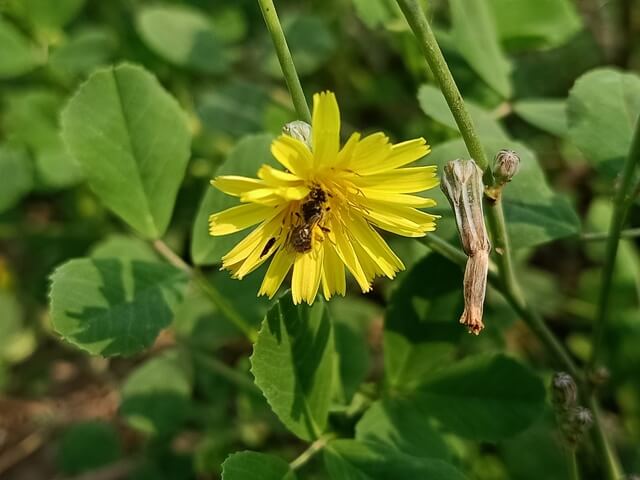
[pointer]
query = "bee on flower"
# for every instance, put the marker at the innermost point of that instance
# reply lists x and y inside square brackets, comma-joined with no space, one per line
[321,214]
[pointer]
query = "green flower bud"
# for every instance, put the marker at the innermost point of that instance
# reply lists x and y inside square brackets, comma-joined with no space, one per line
[505,166]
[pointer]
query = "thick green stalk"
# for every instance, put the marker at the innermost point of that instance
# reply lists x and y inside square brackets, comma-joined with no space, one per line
[427,41]
[620,208]
[574,473]
[422,30]
[284,57]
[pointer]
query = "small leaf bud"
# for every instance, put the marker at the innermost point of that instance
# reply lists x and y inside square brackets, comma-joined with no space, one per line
[505,167]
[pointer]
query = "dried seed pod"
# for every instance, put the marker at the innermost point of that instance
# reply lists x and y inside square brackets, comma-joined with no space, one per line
[564,392]
[299,130]
[463,187]
[577,424]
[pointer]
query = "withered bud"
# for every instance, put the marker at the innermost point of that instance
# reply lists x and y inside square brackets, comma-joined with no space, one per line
[564,391]
[299,130]
[463,187]
[505,166]
[578,423]
[599,376]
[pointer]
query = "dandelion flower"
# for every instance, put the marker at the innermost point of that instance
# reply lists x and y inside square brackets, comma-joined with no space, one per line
[323,211]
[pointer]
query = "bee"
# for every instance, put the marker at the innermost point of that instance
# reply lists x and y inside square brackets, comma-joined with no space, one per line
[313,210]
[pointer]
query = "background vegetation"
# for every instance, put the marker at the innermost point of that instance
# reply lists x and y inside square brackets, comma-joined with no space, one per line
[396,388]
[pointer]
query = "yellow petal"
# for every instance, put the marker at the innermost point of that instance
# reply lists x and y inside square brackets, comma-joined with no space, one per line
[400,180]
[371,150]
[238,218]
[375,247]
[254,240]
[325,128]
[236,185]
[397,198]
[333,280]
[292,154]
[401,154]
[276,177]
[307,270]
[275,196]
[346,154]
[278,269]
[344,249]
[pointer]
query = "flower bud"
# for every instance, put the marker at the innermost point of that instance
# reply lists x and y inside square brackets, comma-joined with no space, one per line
[463,187]
[505,166]
[564,391]
[299,130]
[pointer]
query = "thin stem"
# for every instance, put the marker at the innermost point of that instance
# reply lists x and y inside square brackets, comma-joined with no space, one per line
[600,236]
[308,454]
[172,257]
[508,282]
[572,464]
[613,469]
[226,308]
[615,228]
[422,30]
[284,57]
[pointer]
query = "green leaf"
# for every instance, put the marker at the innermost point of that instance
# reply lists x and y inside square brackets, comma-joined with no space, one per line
[603,109]
[375,13]
[311,42]
[16,172]
[83,52]
[124,246]
[156,396]
[547,114]
[435,106]
[255,466]
[88,446]
[393,425]
[293,364]
[47,14]
[352,318]
[353,460]
[534,213]
[527,24]
[474,34]
[245,159]
[421,325]
[235,109]
[486,397]
[17,54]
[132,140]
[112,306]
[183,36]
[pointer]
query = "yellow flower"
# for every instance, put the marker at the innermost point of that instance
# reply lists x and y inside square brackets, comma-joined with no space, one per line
[318,215]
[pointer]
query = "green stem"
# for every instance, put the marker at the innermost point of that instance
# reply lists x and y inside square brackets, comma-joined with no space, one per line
[309,453]
[284,57]
[422,30]
[226,308]
[600,236]
[613,469]
[620,208]
[574,473]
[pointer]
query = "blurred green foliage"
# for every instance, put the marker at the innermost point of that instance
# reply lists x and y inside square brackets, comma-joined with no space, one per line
[113,118]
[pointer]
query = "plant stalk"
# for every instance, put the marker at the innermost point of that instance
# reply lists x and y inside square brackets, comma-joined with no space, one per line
[226,308]
[311,451]
[422,30]
[620,209]
[284,57]
[572,464]
[600,236]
